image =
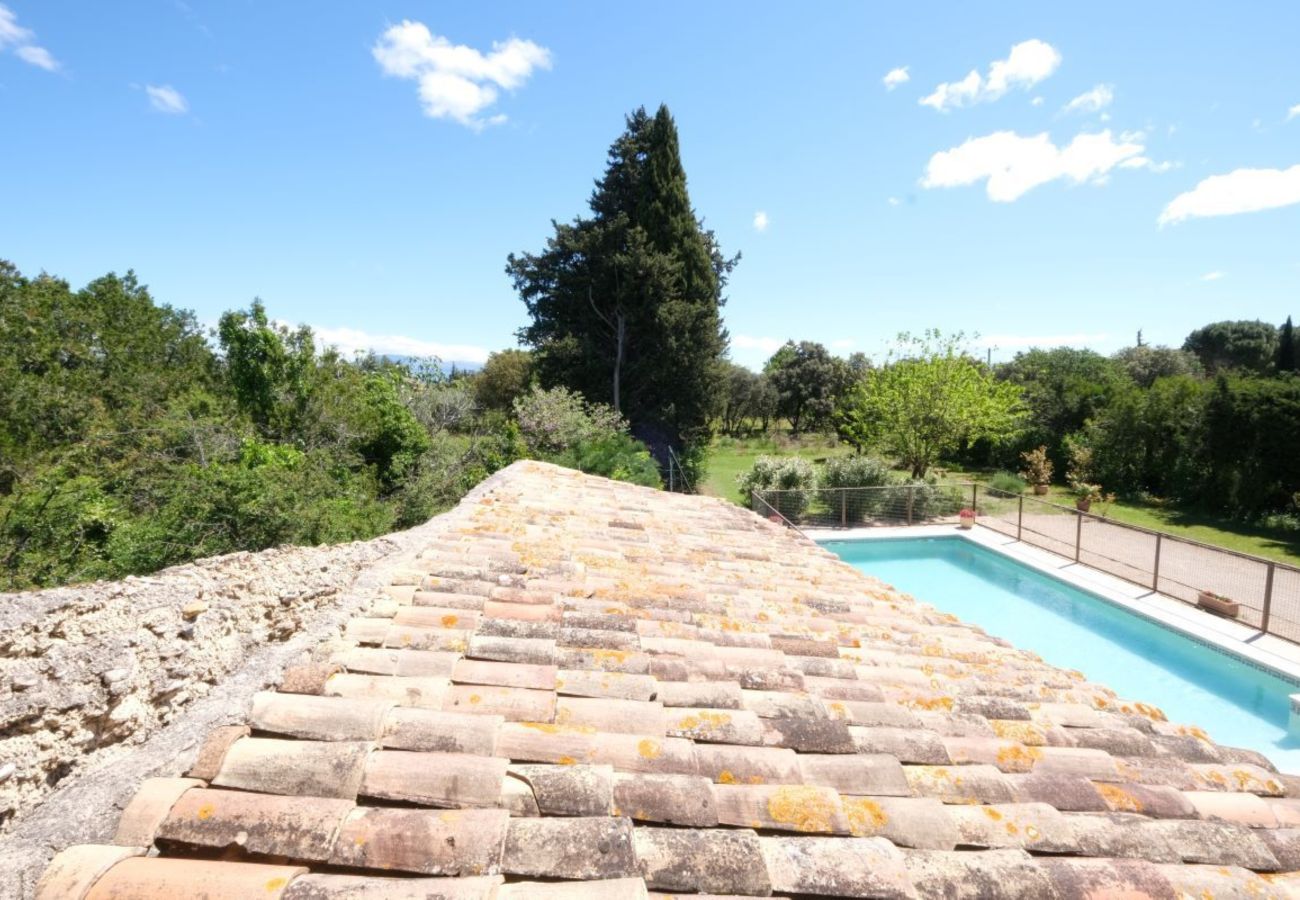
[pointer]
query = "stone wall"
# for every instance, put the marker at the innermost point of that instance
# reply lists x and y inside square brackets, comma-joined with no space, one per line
[94,668]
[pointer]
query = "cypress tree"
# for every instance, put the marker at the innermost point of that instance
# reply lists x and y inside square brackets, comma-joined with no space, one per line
[1286,355]
[626,304]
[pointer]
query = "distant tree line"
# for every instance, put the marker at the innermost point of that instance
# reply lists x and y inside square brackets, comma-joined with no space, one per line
[1212,425]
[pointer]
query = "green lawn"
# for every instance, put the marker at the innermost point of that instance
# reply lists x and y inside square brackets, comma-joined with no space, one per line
[730,457]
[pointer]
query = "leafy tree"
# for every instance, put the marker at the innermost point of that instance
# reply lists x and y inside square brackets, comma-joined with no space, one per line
[268,367]
[1062,388]
[1144,363]
[505,376]
[625,305]
[1286,351]
[1250,346]
[809,382]
[929,398]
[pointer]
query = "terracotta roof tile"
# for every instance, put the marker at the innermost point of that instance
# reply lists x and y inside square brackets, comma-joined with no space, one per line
[545,705]
[434,779]
[302,768]
[448,842]
[300,828]
[142,877]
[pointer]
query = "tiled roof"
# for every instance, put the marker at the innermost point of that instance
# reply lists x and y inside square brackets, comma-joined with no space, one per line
[589,689]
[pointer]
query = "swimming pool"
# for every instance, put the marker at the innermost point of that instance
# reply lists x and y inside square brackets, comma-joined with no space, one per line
[1237,703]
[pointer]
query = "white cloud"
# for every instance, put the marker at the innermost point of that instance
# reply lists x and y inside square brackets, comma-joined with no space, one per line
[760,221]
[1239,191]
[455,81]
[1078,339]
[1028,63]
[1213,276]
[894,201]
[350,341]
[1015,165]
[166,99]
[22,40]
[768,345]
[894,77]
[1037,101]
[1091,101]
[1293,112]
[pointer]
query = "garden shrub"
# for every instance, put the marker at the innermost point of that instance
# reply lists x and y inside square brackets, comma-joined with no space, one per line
[855,472]
[793,474]
[1007,483]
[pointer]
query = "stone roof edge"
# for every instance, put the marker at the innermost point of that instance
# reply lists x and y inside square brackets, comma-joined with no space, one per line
[86,809]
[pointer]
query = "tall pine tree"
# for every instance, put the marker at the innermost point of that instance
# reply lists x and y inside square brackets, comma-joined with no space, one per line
[626,304]
[1286,355]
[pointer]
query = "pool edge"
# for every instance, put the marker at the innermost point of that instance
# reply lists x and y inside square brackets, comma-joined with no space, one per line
[1224,636]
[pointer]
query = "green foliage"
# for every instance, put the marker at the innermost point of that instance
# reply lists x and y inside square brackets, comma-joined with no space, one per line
[1287,358]
[794,475]
[1146,364]
[809,384]
[625,306]
[1062,389]
[1007,483]
[268,367]
[928,399]
[855,471]
[747,401]
[505,377]
[556,420]
[614,455]
[1247,346]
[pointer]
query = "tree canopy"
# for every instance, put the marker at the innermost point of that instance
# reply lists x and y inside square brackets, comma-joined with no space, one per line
[926,400]
[1249,346]
[625,304]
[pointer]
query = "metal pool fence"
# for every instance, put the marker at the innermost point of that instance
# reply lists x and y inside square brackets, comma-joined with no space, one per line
[1267,592]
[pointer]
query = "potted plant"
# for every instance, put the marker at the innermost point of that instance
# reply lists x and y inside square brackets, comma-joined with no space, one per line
[1038,469]
[1218,604]
[966,518]
[1085,495]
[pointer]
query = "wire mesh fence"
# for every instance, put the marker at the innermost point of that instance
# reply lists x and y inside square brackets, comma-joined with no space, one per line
[1258,592]
[896,504]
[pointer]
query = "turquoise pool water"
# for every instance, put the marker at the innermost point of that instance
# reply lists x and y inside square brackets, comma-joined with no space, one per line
[1238,704]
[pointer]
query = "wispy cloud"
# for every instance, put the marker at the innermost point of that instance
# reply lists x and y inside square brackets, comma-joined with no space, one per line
[23,40]
[1028,63]
[760,221]
[1239,191]
[1091,101]
[166,99]
[894,77]
[1293,112]
[1014,165]
[1213,276]
[350,341]
[455,81]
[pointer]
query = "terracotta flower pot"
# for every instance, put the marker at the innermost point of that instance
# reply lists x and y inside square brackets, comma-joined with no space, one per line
[966,522]
[1082,505]
[1220,606]
[1040,489]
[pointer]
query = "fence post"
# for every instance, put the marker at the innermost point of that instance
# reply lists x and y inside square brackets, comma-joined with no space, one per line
[844,506]
[1078,534]
[911,492]
[974,497]
[1155,570]
[1268,597]
[1020,517]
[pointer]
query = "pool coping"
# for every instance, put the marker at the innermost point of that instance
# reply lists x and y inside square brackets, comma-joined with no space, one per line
[1274,655]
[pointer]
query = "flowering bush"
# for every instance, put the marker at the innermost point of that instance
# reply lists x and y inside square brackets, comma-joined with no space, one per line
[558,420]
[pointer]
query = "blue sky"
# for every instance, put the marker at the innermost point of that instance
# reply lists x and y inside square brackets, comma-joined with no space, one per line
[366,167]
